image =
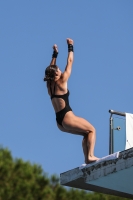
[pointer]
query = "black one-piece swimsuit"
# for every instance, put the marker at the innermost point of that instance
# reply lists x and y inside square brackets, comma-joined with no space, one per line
[60,115]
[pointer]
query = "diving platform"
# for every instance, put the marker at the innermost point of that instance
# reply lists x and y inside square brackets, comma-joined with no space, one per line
[111,175]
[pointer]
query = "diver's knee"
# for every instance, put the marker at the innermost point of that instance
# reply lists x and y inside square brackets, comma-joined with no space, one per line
[91,130]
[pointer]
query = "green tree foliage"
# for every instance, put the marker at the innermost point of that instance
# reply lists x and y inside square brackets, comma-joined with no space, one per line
[21,180]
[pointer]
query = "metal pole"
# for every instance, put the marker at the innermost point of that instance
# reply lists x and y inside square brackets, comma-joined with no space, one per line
[117,113]
[111,136]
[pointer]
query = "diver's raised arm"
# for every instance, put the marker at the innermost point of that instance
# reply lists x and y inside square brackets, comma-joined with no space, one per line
[54,55]
[52,65]
[68,68]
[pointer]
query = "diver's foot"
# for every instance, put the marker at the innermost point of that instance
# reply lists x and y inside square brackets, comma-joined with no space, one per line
[92,159]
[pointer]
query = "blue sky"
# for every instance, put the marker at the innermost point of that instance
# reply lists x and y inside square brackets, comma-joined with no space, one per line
[101,77]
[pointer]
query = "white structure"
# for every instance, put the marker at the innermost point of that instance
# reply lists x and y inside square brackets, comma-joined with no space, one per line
[110,175]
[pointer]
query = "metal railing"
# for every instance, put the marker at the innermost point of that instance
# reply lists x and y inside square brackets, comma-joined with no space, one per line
[111,128]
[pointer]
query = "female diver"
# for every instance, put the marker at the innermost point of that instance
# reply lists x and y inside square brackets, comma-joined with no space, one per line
[65,118]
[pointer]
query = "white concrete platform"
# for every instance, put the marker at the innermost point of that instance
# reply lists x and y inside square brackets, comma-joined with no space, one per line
[113,177]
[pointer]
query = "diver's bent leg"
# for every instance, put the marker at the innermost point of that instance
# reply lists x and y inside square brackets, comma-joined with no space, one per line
[78,124]
[84,141]
[85,148]
[91,138]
